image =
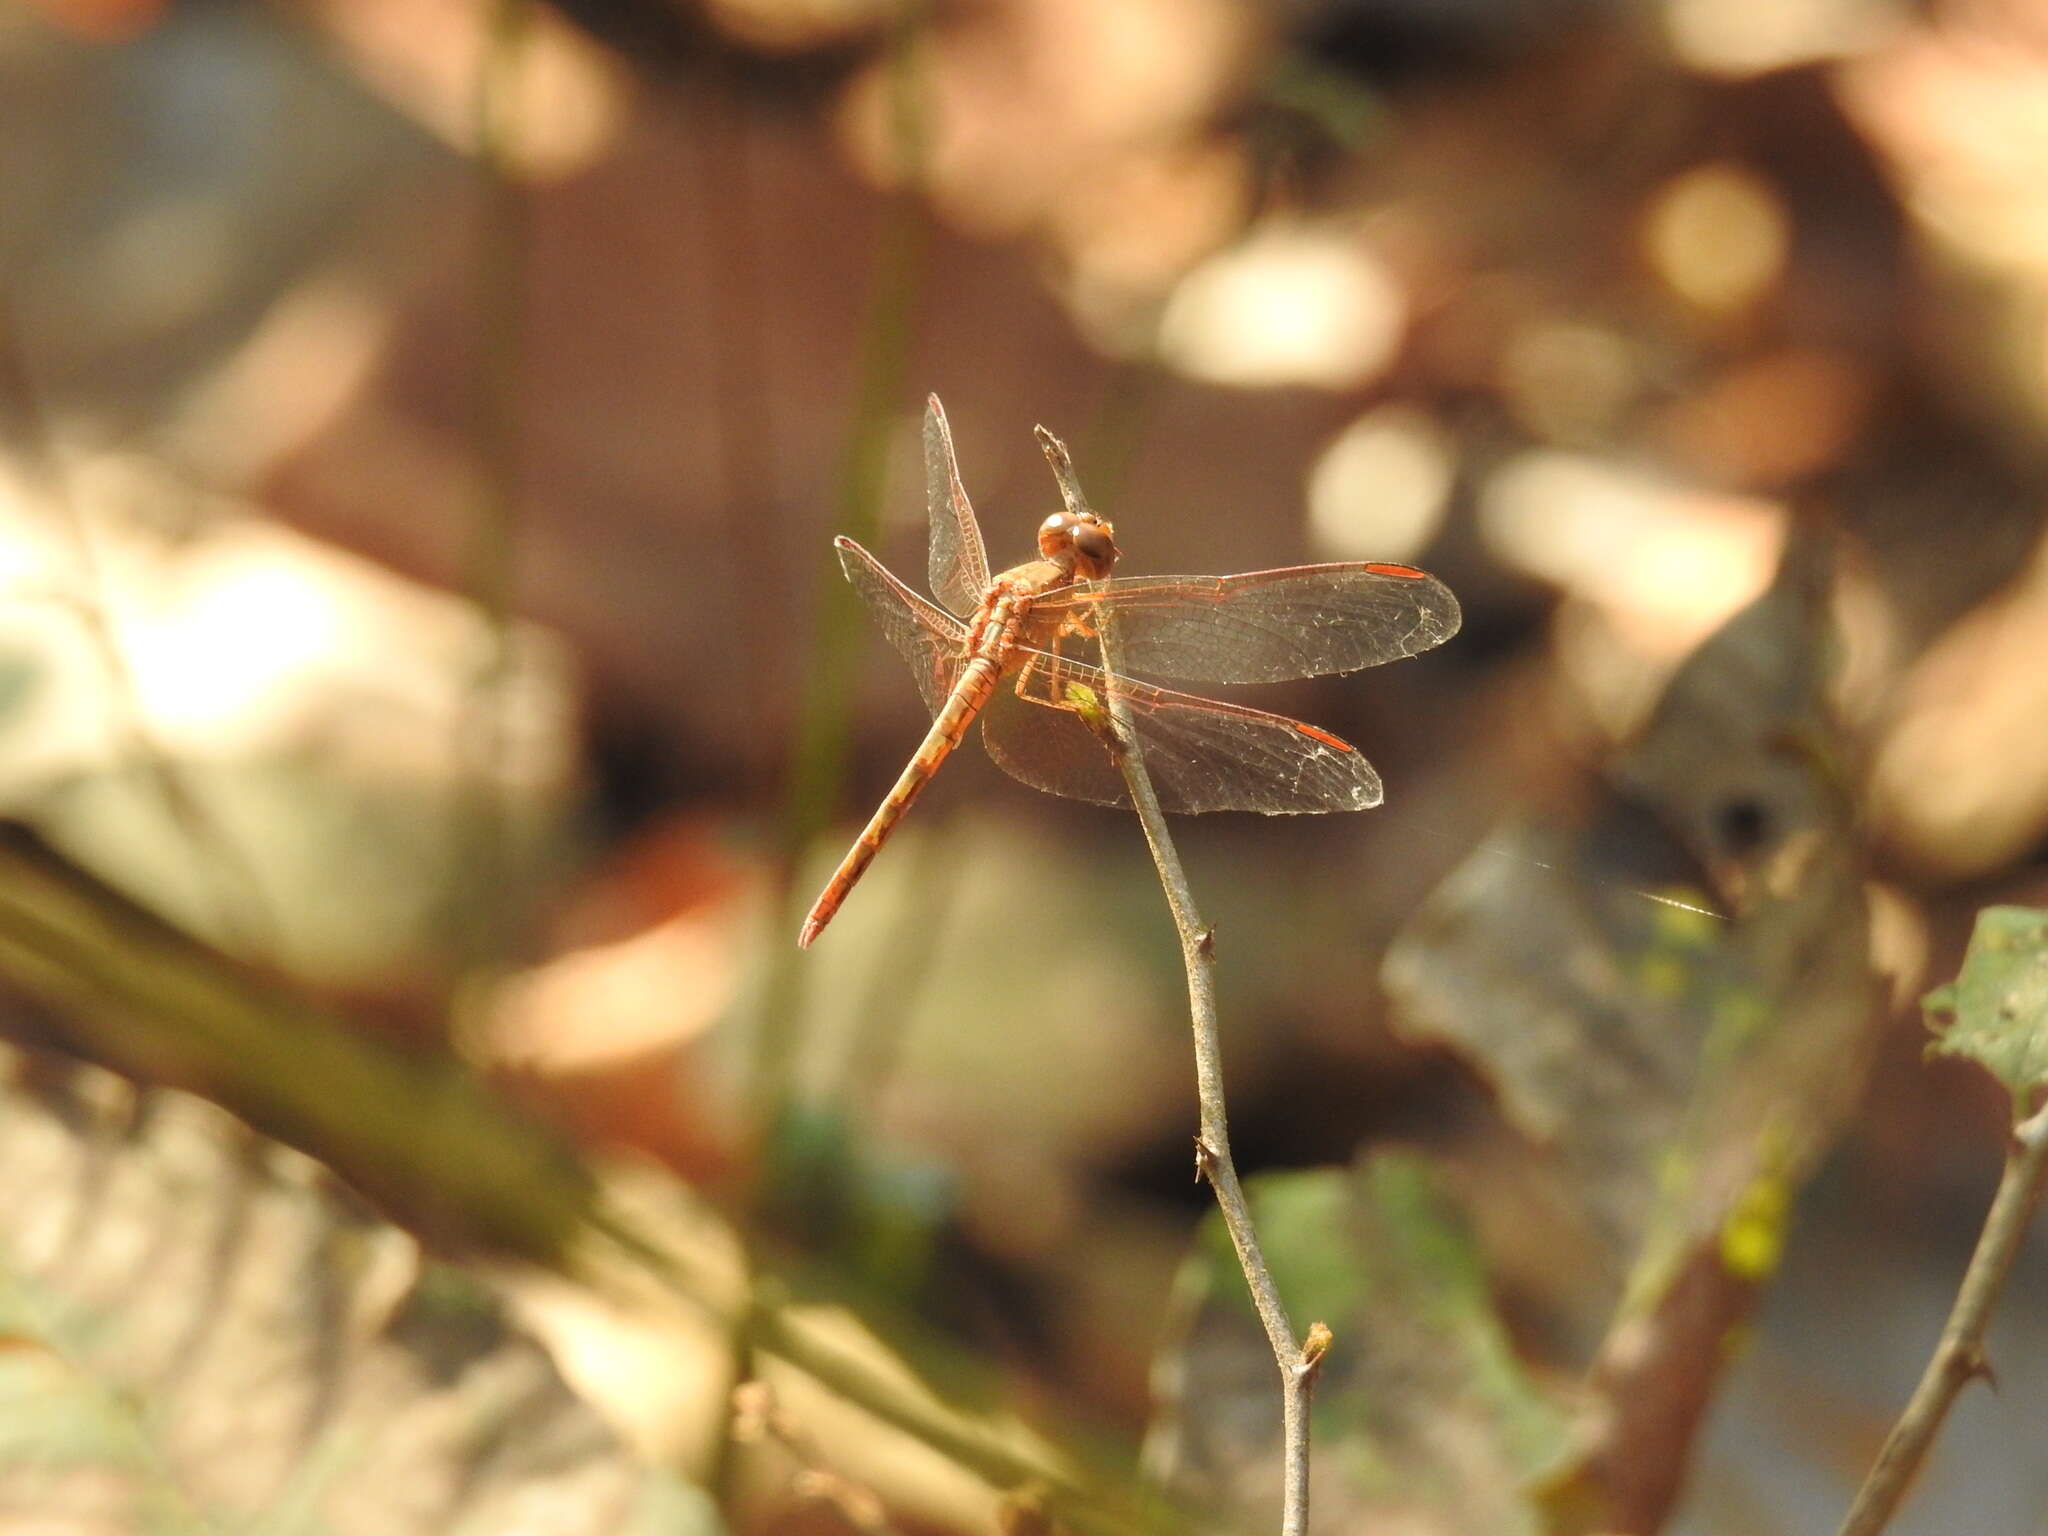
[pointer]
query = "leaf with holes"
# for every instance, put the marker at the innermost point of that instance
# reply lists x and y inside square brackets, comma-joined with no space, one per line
[1996,1011]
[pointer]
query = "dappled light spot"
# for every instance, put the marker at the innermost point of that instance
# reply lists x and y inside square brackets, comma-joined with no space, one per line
[1020,107]
[1289,306]
[1619,537]
[611,1032]
[1748,37]
[568,102]
[1960,115]
[1655,566]
[1130,230]
[1717,237]
[1899,943]
[1960,783]
[1378,491]
[1964,120]
[305,363]
[793,25]
[252,623]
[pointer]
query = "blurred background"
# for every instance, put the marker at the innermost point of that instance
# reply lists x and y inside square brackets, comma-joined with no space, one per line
[422,428]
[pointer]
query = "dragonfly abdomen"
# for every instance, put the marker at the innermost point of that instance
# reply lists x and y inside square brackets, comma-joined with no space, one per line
[970,692]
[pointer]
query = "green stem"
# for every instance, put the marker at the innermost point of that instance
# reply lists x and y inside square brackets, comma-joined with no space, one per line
[478,888]
[818,766]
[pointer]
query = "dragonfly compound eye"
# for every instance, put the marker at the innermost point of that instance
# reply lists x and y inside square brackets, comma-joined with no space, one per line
[1095,544]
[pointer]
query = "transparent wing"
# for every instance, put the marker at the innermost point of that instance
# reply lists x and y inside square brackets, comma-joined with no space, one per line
[1202,755]
[1262,626]
[934,643]
[959,563]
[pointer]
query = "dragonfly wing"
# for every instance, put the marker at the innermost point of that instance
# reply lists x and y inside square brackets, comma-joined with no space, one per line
[933,642]
[1262,626]
[959,563]
[1202,755]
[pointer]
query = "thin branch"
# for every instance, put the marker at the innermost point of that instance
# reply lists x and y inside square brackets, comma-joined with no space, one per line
[1298,1367]
[1960,1354]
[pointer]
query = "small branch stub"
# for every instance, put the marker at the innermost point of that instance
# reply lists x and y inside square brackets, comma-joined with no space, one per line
[1972,1364]
[1314,1347]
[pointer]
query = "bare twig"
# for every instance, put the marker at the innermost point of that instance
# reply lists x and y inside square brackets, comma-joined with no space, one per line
[1960,1354]
[1298,1367]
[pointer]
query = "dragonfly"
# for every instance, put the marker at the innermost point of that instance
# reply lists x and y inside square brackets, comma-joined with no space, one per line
[1022,652]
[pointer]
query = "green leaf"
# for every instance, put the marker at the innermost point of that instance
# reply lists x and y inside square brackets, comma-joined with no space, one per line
[1996,1012]
[1425,1418]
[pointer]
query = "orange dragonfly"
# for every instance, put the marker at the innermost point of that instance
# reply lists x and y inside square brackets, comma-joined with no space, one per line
[1013,650]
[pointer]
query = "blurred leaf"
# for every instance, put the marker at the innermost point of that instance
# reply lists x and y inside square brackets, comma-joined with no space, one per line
[1669,1055]
[1424,1419]
[347,862]
[1683,1069]
[21,675]
[668,1506]
[1996,1012]
[208,1336]
[446,1154]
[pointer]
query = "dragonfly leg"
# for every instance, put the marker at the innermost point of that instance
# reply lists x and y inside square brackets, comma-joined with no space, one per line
[1070,624]
[1023,683]
[1053,691]
[1059,690]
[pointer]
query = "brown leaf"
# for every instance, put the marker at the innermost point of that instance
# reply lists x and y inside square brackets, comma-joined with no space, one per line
[1684,1070]
[227,1336]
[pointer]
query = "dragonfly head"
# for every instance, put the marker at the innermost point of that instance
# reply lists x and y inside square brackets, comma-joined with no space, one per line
[1079,541]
